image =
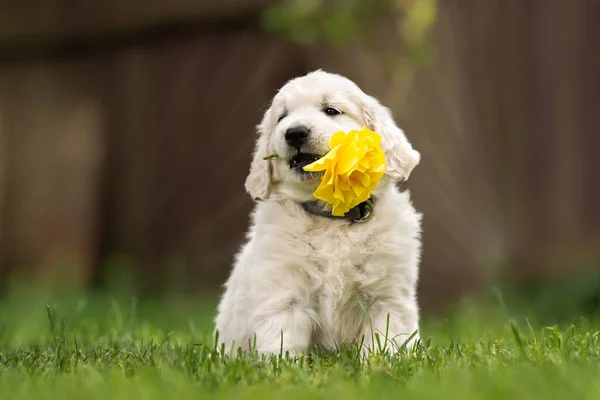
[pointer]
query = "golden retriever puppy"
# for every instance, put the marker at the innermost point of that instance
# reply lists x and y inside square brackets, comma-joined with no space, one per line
[305,278]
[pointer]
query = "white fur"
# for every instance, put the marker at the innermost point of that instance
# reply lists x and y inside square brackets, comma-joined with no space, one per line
[302,280]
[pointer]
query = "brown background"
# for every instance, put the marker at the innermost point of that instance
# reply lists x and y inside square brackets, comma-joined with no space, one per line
[126,130]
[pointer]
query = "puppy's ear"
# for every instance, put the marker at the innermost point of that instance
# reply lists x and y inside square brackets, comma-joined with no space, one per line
[400,157]
[258,182]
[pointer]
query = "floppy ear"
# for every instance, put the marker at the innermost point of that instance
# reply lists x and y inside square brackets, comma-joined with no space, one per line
[400,157]
[258,182]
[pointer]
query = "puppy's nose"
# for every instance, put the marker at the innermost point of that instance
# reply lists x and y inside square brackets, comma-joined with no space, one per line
[296,136]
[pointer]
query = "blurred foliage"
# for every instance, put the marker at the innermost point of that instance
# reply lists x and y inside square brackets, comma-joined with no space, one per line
[340,22]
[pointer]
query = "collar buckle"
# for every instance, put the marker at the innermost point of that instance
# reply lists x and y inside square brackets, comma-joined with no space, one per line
[366,211]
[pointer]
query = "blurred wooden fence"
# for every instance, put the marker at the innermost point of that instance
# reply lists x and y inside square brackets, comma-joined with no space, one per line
[121,132]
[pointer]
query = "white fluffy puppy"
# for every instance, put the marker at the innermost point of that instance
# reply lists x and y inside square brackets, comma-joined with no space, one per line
[304,278]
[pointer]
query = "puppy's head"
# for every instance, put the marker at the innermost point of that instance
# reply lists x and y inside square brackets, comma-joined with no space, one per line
[297,127]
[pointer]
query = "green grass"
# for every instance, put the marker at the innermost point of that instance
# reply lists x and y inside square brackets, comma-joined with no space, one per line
[95,347]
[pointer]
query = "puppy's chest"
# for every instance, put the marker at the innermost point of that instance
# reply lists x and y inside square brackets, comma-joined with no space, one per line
[337,261]
[338,267]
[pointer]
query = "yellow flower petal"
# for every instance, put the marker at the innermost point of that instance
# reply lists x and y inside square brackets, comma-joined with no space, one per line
[365,179]
[337,139]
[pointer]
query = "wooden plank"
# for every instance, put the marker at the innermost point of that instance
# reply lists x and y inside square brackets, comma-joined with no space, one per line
[29,24]
[53,160]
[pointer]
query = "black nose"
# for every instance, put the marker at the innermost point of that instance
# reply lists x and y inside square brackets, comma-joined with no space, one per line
[296,136]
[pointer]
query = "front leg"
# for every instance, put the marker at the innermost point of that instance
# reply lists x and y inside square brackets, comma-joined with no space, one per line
[271,305]
[282,326]
[390,323]
[282,317]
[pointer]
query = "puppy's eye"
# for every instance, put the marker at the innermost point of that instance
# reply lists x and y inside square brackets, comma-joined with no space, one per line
[282,116]
[331,111]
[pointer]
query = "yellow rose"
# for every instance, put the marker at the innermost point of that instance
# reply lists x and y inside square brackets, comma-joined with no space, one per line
[353,168]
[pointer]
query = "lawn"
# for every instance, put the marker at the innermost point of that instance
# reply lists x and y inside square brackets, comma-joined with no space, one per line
[107,347]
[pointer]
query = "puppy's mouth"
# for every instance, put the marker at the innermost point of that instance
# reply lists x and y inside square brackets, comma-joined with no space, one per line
[300,161]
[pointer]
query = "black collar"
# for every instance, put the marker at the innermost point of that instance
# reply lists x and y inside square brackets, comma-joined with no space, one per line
[360,213]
